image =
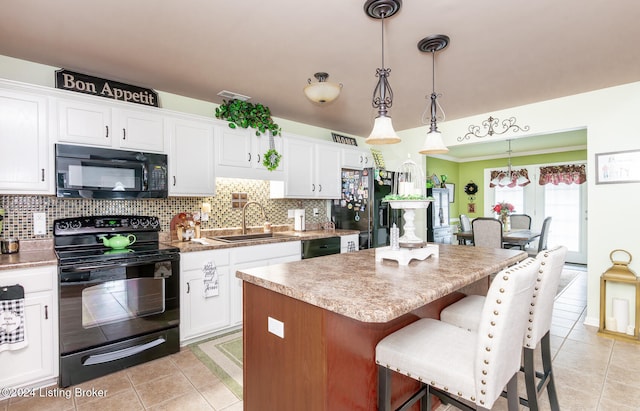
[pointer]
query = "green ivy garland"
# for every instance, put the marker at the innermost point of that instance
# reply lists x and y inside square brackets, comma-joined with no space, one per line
[243,114]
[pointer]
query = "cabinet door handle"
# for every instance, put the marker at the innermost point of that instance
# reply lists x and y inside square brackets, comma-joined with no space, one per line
[319,188]
[258,158]
[313,187]
[188,288]
[106,134]
[124,133]
[249,156]
[46,312]
[42,176]
[174,181]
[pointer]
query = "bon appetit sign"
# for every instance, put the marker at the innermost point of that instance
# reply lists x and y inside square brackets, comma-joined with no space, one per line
[83,83]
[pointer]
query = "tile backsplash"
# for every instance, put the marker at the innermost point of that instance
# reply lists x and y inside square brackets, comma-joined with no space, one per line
[19,209]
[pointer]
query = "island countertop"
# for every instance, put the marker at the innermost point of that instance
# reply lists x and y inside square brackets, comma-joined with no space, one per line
[358,287]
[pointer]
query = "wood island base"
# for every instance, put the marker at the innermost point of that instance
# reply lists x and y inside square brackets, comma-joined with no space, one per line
[325,361]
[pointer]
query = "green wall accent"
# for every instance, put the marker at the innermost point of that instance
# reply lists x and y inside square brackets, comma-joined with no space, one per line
[463,173]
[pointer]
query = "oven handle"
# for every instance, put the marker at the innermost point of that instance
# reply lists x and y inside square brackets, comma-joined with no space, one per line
[126,352]
[147,260]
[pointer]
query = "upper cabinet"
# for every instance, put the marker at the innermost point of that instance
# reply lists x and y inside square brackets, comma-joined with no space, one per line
[356,158]
[24,158]
[240,154]
[84,122]
[312,169]
[191,157]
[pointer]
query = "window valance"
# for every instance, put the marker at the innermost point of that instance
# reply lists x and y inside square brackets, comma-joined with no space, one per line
[501,178]
[567,174]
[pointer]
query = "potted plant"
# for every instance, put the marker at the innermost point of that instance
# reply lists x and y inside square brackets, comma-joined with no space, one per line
[244,114]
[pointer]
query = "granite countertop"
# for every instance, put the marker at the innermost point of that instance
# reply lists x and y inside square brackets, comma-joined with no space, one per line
[356,286]
[278,237]
[33,253]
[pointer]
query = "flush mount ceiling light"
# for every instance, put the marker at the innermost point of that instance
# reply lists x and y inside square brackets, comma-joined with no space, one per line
[383,132]
[433,144]
[323,91]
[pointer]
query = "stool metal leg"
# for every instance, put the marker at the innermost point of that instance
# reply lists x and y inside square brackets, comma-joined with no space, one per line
[546,377]
[384,388]
[530,380]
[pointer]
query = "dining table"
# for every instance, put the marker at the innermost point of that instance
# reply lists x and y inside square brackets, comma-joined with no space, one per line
[515,238]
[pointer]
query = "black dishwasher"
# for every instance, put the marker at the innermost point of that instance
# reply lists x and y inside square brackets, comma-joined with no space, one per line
[320,246]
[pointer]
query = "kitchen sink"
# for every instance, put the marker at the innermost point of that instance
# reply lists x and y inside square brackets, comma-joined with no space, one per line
[248,237]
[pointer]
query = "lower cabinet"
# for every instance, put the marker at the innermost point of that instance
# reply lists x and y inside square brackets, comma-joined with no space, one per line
[36,364]
[202,315]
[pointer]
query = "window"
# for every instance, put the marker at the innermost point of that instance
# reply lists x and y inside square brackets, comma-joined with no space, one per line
[512,195]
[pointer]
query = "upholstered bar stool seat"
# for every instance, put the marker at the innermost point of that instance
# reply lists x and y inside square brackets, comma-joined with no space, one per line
[465,314]
[468,369]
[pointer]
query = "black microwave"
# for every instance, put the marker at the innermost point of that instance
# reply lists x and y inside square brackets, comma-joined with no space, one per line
[104,173]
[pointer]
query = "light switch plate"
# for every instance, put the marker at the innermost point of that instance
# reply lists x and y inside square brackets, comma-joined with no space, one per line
[39,223]
[276,327]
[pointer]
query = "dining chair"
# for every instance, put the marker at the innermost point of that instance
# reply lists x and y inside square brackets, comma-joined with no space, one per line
[520,221]
[467,369]
[543,239]
[465,225]
[465,313]
[487,232]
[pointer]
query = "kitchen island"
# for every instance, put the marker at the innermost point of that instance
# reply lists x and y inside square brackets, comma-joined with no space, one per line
[311,326]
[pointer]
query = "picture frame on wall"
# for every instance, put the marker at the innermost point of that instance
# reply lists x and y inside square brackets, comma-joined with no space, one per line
[618,167]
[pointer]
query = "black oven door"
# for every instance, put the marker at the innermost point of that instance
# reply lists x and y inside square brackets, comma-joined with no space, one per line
[104,304]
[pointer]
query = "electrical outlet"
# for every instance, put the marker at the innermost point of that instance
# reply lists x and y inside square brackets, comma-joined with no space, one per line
[276,327]
[39,223]
[316,212]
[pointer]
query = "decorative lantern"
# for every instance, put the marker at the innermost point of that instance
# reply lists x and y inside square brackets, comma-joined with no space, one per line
[616,324]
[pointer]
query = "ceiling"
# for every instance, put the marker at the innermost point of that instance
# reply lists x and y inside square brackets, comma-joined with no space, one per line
[502,54]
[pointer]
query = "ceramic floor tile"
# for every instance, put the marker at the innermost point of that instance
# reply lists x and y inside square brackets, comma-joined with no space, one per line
[44,400]
[123,400]
[156,369]
[200,376]
[218,395]
[622,393]
[239,406]
[185,358]
[111,384]
[164,389]
[189,402]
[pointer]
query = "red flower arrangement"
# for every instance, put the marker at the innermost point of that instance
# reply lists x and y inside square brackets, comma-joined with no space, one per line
[504,208]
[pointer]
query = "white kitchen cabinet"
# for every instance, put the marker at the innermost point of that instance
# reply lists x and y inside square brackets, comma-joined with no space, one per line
[37,363]
[109,125]
[257,256]
[356,159]
[24,157]
[191,157]
[312,169]
[200,315]
[240,152]
[349,243]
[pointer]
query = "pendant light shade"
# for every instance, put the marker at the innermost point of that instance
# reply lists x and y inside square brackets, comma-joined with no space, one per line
[383,132]
[433,144]
[322,91]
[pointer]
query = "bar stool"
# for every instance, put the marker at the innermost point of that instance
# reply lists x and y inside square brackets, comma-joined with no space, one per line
[465,314]
[468,369]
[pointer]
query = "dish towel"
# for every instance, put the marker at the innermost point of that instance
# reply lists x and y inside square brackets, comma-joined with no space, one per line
[210,272]
[12,315]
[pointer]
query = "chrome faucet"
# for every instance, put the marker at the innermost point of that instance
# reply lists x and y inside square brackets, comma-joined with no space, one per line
[244,215]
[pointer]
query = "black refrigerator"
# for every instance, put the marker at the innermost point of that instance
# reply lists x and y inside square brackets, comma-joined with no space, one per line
[361,208]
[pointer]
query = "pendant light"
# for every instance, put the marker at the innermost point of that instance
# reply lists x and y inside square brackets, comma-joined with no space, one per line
[383,132]
[433,144]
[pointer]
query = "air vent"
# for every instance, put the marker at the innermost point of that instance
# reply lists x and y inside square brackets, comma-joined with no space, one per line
[230,95]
